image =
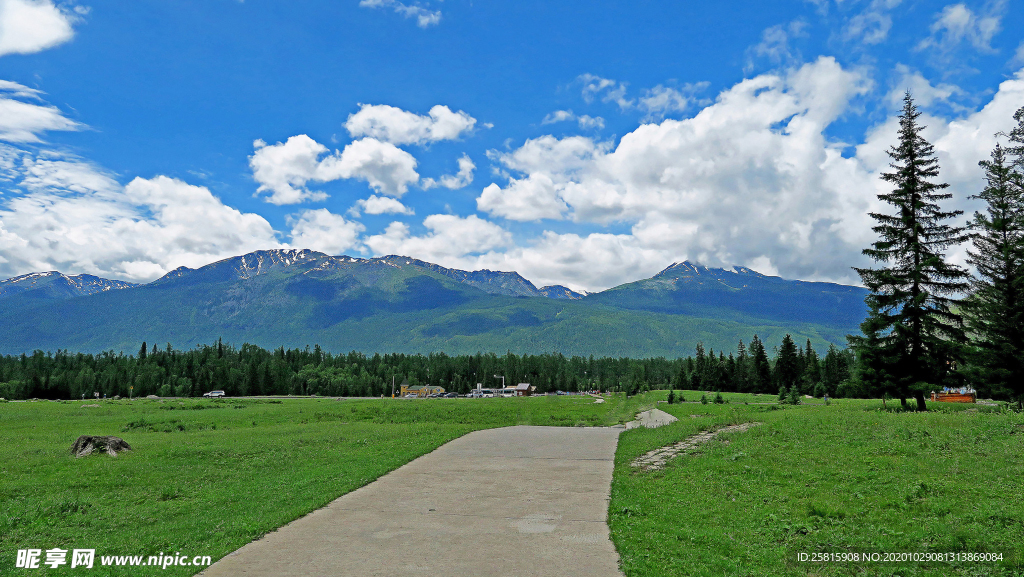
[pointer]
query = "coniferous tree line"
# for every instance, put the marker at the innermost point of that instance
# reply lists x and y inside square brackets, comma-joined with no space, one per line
[931,324]
[252,370]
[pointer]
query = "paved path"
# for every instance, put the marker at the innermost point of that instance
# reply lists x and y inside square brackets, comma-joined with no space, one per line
[523,501]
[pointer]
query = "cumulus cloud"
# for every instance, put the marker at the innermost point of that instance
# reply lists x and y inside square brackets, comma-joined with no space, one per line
[425,18]
[76,218]
[750,180]
[449,239]
[379,205]
[957,24]
[323,231]
[461,179]
[385,167]
[22,120]
[285,168]
[28,26]
[397,126]
[757,156]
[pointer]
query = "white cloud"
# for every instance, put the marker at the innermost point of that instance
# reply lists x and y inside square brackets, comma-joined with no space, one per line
[757,156]
[385,167]
[285,168]
[22,121]
[661,101]
[590,262]
[609,90]
[449,240]
[750,180]
[1018,57]
[585,122]
[924,93]
[76,218]
[379,205]
[425,18]
[28,26]
[775,46]
[532,198]
[957,24]
[558,116]
[461,179]
[397,126]
[324,231]
[871,26]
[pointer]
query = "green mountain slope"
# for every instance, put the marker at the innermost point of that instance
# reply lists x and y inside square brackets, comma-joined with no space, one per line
[298,298]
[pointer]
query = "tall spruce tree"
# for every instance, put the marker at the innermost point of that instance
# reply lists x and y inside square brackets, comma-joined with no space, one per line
[762,372]
[995,310]
[787,365]
[910,303]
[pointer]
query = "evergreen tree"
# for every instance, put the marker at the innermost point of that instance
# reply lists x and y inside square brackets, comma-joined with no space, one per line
[762,373]
[910,299]
[836,370]
[812,369]
[142,351]
[741,375]
[699,369]
[787,368]
[995,310]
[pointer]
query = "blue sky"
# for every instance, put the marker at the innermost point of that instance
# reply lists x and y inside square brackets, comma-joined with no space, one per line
[585,144]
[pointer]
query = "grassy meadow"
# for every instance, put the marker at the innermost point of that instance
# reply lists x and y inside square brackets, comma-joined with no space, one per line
[843,478]
[208,476]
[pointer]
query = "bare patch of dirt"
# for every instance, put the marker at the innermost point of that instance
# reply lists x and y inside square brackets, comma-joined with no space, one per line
[656,459]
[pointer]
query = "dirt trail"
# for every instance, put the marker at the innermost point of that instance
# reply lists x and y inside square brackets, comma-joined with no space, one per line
[657,458]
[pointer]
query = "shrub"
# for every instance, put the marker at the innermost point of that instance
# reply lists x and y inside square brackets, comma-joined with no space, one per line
[718,399]
[703,400]
[671,397]
[794,396]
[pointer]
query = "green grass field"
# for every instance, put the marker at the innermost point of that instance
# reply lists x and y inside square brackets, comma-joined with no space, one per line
[205,477]
[843,478]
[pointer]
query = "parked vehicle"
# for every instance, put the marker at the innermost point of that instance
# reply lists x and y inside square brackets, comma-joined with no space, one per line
[213,394]
[450,395]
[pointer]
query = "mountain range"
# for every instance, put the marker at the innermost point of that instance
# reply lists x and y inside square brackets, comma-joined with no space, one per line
[295,298]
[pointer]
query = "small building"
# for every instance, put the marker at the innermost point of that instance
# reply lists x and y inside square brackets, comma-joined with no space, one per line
[525,389]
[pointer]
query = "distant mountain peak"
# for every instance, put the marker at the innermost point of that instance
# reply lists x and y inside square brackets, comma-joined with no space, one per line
[689,269]
[489,281]
[57,285]
[560,292]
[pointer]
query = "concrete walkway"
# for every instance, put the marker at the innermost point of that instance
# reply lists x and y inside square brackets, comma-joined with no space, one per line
[524,501]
